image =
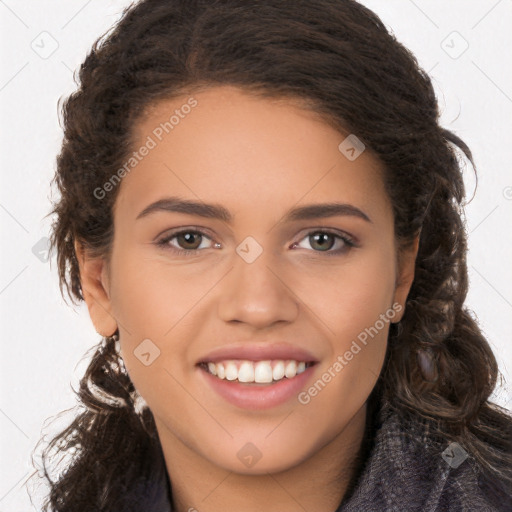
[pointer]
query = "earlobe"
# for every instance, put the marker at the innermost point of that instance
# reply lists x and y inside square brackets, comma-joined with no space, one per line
[95,290]
[405,275]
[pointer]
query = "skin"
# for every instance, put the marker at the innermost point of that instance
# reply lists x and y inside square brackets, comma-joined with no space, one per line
[258,158]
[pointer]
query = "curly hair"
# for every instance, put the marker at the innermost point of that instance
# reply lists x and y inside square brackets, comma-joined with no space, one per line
[337,57]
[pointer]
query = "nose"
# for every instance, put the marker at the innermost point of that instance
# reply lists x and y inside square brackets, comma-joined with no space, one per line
[257,294]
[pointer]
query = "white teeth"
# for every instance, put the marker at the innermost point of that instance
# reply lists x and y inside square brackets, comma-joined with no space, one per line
[291,369]
[261,372]
[221,373]
[212,368]
[278,371]
[246,372]
[231,371]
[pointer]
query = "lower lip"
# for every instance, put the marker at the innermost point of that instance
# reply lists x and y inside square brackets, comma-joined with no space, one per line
[257,397]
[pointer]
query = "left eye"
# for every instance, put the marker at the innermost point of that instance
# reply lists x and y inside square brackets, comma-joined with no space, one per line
[324,241]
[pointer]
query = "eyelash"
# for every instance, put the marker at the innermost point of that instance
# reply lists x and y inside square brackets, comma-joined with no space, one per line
[348,241]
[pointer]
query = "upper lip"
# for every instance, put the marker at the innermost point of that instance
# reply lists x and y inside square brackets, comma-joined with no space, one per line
[258,352]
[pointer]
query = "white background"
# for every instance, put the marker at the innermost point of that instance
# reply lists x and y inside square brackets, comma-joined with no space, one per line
[43,339]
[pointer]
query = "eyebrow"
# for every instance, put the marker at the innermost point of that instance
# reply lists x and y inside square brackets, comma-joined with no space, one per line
[216,211]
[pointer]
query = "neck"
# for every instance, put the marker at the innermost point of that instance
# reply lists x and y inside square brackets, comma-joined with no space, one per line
[317,484]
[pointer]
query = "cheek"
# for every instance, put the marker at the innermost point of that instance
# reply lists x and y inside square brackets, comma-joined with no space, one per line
[350,297]
[150,297]
[356,306]
[157,302]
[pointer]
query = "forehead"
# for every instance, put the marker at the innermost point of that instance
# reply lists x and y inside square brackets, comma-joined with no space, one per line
[234,148]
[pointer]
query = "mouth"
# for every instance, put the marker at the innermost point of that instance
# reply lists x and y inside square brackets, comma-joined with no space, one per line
[265,372]
[256,376]
[256,385]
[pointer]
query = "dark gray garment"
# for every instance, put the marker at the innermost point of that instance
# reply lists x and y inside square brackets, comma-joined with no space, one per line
[408,469]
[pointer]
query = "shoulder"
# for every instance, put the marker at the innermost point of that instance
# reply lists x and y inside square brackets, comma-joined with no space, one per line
[411,469]
[152,491]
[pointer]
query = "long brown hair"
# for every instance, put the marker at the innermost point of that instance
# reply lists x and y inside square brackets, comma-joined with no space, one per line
[338,57]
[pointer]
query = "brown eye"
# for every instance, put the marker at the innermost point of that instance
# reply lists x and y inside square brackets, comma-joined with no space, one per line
[186,242]
[322,241]
[189,240]
[327,242]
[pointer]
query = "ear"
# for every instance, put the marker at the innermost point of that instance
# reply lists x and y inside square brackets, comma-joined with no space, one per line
[95,290]
[405,274]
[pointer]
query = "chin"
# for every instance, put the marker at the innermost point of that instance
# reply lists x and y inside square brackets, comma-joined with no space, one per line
[247,459]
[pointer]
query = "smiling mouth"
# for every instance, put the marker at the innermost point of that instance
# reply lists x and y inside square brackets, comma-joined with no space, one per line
[256,372]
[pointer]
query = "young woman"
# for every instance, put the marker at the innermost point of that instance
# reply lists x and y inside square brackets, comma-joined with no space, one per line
[263,215]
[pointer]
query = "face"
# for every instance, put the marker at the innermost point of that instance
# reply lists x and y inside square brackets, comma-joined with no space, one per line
[253,280]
